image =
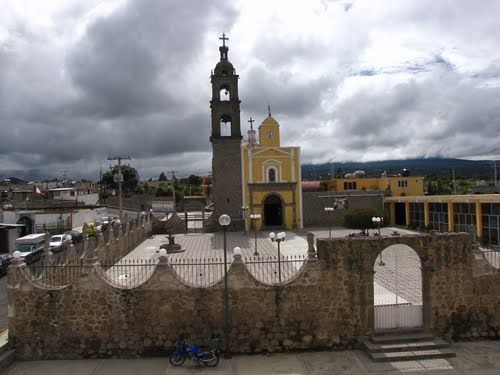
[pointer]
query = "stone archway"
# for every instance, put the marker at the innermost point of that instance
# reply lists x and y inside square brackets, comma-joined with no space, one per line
[397,289]
[273,211]
[28,226]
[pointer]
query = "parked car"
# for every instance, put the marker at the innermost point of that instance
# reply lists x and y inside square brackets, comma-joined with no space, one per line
[58,241]
[91,230]
[76,236]
[5,260]
[31,247]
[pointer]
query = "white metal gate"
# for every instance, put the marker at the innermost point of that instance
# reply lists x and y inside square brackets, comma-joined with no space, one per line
[397,289]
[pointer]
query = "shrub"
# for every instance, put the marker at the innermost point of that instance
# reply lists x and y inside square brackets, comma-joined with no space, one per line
[362,219]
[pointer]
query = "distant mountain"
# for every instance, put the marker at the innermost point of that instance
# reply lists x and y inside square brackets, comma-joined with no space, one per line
[14,180]
[469,169]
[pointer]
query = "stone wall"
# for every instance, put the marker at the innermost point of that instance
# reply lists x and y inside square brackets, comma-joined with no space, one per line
[314,203]
[138,202]
[455,303]
[329,304]
[173,225]
[118,241]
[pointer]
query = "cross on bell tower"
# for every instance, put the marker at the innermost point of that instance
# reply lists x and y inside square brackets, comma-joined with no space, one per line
[226,139]
[223,38]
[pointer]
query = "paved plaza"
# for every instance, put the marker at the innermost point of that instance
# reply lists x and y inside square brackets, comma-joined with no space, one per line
[201,262]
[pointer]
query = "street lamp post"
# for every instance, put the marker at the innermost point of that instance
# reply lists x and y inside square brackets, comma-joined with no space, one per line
[330,210]
[244,210]
[278,238]
[254,218]
[224,221]
[378,221]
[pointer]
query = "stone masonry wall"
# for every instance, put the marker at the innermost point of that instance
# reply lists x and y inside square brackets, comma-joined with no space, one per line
[455,303]
[328,305]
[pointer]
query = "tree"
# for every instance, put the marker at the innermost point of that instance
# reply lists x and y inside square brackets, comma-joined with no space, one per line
[162,177]
[362,219]
[163,190]
[130,179]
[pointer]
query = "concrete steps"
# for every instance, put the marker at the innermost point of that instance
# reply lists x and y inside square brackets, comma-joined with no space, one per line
[411,345]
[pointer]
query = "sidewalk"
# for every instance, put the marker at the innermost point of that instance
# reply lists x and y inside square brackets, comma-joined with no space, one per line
[472,358]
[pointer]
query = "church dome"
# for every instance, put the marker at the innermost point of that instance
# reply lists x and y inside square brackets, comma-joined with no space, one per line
[223,68]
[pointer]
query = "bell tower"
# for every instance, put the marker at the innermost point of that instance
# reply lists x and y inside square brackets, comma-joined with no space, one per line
[226,141]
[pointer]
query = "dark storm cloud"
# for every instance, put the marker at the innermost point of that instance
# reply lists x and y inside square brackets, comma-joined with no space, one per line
[111,91]
[286,94]
[441,115]
[133,80]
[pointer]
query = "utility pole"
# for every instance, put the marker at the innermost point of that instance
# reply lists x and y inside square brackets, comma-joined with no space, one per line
[119,179]
[454,186]
[495,169]
[173,189]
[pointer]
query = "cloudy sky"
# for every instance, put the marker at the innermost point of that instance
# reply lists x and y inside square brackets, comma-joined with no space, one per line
[361,80]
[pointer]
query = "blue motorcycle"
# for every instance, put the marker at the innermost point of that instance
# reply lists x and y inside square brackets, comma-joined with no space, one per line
[194,352]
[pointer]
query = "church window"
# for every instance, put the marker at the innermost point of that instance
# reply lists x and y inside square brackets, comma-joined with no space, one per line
[269,134]
[402,183]
[225,126]
[224,94]
[271,174]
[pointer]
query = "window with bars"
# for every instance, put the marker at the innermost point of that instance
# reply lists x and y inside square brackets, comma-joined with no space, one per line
[438,216]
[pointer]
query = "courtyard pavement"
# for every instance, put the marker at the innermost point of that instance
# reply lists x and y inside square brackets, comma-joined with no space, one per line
[472,358]
[396,281]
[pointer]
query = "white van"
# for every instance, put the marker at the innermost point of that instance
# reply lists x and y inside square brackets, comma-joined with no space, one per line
[30,246]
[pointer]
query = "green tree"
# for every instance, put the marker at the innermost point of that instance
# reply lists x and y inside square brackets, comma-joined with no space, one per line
[163,190]
[130,179]
[162,177]
[362,219]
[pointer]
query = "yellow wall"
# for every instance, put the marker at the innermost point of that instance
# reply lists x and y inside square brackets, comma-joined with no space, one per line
[286,160]
[415,185]
[269,133]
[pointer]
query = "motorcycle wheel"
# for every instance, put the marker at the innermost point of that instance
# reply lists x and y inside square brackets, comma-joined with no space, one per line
[211,359]
[176,359]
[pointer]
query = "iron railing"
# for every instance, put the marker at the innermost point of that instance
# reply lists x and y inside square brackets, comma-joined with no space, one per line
[57,271]
[199,272]
[492,256]
[127,273]
[274,270]
[50,274]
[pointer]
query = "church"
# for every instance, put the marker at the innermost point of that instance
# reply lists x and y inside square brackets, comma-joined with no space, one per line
[256,177]
[271,178]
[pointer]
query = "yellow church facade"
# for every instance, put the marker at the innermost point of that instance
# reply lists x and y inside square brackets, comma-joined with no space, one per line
[272,192]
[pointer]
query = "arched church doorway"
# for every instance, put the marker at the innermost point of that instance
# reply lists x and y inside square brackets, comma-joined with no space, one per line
[273,211]
[397,289]
[28,226]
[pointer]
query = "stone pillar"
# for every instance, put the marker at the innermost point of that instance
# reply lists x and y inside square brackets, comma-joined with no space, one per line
[427,220]
[392,206]
[46,244]
[311,251]
[407,214]
[479,220]
[451,219]
[427,274]
[367,300]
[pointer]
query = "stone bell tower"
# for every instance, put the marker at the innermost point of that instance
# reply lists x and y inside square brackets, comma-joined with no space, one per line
[226,143]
